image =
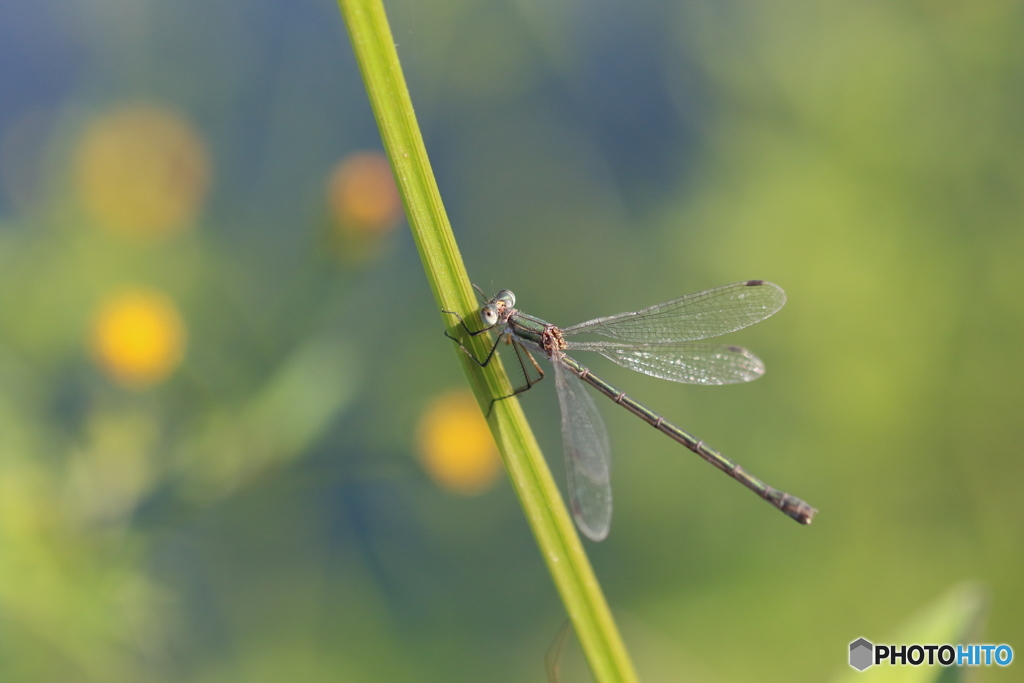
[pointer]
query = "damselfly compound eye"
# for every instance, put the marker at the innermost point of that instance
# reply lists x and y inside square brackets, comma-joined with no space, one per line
[506,297]
[489,314]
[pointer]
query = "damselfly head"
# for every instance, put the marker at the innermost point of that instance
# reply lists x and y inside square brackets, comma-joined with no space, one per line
[492,310]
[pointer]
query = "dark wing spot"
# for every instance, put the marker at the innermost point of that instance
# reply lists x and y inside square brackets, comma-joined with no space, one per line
[755,283]
[735,349]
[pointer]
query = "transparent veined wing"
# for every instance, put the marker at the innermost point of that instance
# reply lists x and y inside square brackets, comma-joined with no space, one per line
[710,313]
[687,363]
[587,455]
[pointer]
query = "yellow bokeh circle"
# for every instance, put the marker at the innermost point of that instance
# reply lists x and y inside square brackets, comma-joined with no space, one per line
[455,444]
[142,170]
[364,206]
[138,337]
[363,195]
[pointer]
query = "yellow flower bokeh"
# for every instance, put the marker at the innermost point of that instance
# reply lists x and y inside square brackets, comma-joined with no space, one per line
[142,170]
[138,337]
[362,192]
[455,444]
[364,204]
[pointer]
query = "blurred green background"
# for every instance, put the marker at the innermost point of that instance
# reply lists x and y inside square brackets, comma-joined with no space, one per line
[235,444]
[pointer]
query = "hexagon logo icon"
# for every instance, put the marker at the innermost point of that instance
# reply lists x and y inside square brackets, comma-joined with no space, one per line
[861,651]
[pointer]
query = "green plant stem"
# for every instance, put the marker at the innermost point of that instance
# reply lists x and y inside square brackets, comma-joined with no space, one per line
[542,503]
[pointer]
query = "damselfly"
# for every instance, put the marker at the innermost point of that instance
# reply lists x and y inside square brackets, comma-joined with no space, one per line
[656,341]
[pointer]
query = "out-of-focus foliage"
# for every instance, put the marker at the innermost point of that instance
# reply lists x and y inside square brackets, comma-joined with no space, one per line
[229,444]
